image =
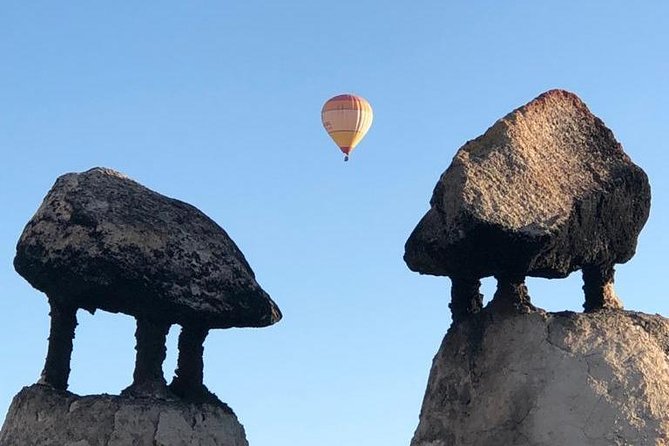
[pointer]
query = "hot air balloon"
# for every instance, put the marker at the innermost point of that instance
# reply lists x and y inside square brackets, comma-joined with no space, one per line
[347,118]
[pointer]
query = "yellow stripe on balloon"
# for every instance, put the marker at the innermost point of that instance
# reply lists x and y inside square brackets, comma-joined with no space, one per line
[347,118]
[346,138]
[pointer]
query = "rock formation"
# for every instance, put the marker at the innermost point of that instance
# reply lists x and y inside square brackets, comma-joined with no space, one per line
[593,379]
[41,415]
[102,241]
[547,190]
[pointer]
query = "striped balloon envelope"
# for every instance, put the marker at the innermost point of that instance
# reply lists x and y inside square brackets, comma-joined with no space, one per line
[347,118]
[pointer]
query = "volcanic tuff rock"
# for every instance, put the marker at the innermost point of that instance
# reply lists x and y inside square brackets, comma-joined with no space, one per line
[42,416]
[594,379]
[102,241]
[545,191]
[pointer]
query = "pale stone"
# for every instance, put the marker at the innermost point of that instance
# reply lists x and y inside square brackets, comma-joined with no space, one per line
[549,379]
[42,416]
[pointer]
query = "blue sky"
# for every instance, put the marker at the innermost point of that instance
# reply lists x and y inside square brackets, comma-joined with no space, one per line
[218,104]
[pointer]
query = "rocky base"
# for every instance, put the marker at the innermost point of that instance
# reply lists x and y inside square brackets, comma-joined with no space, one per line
[549,379]
[40,415]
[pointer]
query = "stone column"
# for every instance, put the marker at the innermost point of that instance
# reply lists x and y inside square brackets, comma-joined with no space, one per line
[465,297]
[598,288]
[188,379]
[56,370]
[512,294]
[148,378]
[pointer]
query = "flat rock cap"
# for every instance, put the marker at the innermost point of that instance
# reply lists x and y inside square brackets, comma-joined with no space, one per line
[544,191]
[103,241]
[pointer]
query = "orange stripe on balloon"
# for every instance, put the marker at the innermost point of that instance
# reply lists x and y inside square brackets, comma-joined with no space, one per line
[347,119]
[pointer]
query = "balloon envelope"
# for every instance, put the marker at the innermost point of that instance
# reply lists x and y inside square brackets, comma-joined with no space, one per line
[347,118]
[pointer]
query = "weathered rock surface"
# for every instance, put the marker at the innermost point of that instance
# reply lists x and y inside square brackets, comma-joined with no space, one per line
[544,191]
[41,416]
[549,379]
[547,190]
[101,240]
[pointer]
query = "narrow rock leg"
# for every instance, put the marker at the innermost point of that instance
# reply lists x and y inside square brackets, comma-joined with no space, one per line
[511,294]
[188,380]
[148,379]
[465,298]
[57,365]
[598,288]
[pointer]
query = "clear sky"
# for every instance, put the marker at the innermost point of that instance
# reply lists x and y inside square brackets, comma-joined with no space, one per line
[217,103]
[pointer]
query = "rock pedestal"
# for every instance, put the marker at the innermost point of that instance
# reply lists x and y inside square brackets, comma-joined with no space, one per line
[596,379]
[40,415]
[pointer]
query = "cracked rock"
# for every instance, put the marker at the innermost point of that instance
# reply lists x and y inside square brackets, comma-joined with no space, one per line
[595,379]
[42,416]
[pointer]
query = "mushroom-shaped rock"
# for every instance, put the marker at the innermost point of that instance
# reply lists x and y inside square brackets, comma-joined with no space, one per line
[547,190]
[102,241]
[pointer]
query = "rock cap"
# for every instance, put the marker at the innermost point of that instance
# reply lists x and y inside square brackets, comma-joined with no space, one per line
[103,241]
[544,191]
